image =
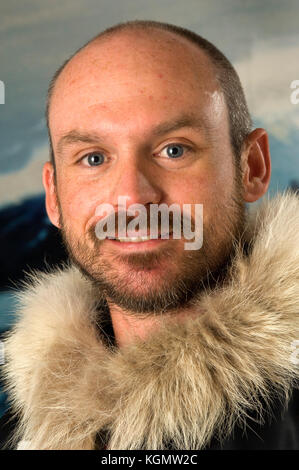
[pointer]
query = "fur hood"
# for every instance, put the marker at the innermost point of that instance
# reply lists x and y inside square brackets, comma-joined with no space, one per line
[185,383]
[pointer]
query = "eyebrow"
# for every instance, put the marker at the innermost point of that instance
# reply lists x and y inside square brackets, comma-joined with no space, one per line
[75,136]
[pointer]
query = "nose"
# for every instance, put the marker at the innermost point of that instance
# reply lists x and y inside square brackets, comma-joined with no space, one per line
[137,181]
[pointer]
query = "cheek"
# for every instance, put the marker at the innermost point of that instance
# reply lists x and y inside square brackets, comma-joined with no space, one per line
[221,178]
[78,204]
[213,188]
[199,187]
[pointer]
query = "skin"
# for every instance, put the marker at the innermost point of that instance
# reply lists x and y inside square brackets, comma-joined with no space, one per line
[121,88]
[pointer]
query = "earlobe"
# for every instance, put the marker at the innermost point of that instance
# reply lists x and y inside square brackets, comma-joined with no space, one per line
[51,195]
[256,165]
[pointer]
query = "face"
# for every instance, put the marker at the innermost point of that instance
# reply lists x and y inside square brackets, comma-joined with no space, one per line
[143,118]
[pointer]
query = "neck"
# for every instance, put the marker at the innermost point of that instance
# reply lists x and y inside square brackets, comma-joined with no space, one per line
[129,327]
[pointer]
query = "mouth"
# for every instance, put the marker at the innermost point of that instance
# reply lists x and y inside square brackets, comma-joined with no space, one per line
[139,239]
[139,242]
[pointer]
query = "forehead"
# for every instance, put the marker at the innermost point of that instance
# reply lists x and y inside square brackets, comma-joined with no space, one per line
[134,75]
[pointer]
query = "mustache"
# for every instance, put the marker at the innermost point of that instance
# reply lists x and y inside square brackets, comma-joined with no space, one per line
[121,220]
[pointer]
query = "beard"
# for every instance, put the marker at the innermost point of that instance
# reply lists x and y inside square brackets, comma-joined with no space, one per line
[168,278]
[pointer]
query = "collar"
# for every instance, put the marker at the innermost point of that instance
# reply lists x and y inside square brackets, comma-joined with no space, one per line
[184,384]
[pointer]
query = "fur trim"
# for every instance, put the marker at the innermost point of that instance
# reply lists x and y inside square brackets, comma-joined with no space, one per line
[187,382]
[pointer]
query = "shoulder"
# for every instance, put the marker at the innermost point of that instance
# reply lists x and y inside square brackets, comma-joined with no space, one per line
[279,431]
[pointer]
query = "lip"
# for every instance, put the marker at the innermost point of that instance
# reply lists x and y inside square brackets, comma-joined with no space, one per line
[144,234]
[138,246]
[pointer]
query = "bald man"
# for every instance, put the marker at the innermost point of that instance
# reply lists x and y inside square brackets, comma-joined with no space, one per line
[142,342]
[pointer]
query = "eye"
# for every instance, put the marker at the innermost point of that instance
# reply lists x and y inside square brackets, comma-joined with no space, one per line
[94,159]
[174,150]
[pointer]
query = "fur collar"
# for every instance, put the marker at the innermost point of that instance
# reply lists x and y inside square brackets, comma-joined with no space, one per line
[186,383]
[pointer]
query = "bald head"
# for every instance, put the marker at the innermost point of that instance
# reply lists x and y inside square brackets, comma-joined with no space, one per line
[132,66]
[139,45]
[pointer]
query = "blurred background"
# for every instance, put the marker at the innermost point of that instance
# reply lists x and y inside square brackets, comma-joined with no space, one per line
[260,38]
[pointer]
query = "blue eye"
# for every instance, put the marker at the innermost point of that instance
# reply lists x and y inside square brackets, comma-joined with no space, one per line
[175,150]
[95,159]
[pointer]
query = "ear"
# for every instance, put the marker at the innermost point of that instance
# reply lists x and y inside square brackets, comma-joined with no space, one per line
[256,165]
[51,196]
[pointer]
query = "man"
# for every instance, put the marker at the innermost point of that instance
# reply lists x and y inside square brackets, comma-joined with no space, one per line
[141,343]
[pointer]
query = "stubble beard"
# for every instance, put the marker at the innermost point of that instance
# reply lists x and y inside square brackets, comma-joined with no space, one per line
[135,283]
